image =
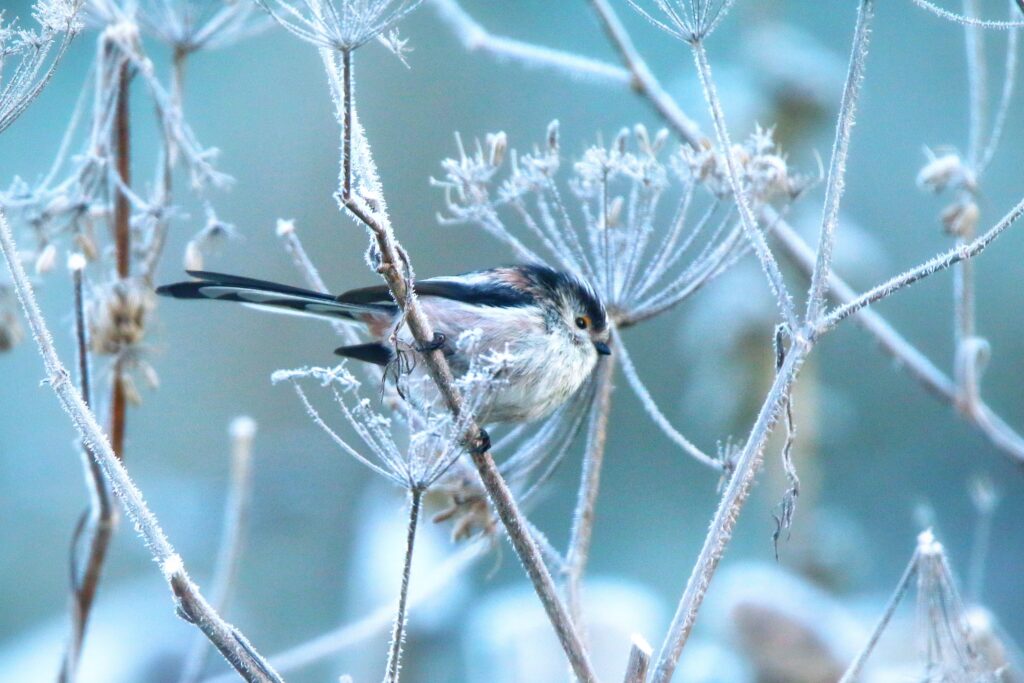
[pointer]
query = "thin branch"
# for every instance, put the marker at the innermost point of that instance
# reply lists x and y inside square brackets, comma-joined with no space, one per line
[644,83]
[475,38]
[393,266]
[966,21]
[122,243]
[857,664]
[374,623]
[1009,84]
[629,370]
[98,521]
[933,265]
[398,629]
[724,521]
[910,359]
[191,604]
[840,151]
[590,483]
[236,514]
[639,660]
[750,227]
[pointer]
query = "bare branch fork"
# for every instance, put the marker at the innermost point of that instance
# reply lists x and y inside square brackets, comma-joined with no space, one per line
[192,606]
[395,269]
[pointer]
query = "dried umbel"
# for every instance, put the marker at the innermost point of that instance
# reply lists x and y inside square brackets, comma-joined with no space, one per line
[118,315]
[465,504]
[342,25]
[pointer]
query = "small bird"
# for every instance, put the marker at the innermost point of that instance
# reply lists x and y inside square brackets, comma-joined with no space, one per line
[550,322]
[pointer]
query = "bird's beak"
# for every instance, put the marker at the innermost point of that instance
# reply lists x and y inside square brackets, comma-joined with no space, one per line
[603,348]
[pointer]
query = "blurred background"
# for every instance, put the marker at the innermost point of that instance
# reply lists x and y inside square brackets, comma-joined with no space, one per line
[879,458]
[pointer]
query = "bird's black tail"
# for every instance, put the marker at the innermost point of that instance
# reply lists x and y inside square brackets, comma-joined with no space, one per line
[269,296]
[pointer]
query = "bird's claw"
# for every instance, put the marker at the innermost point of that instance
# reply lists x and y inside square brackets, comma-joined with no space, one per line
[482,443]
[436,343]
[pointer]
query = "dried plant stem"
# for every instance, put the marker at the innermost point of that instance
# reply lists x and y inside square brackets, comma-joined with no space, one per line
[857,664]
[644,83]
[96,523]
[236,514]
[837,166]
[377,621]
[122,244]
[398,629]
[475,38]
[590,482]
[729,507]
[639,660]
[192,606]
[931,266]
[393,266]
[749,222]
[910,359]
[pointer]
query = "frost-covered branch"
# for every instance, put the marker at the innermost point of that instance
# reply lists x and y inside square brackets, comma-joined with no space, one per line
[192,606]
[475,38]
[236,516]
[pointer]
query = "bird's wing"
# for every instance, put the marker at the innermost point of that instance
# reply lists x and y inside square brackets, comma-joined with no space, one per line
[472,288]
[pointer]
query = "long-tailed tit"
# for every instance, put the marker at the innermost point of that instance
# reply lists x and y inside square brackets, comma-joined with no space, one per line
[550,323]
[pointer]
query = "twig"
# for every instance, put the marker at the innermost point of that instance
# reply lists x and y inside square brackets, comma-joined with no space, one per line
[890,608]
[930,377]
[935,264]
[374,623]
[722,524]
[398,629]
[629,370]
[122,243]
[475,37]
[837,166]
[236,514]
[192,606]
[393,266]
[749,222]
[97,522]
[966,21]
[590,482]
[644,83]
[639,660]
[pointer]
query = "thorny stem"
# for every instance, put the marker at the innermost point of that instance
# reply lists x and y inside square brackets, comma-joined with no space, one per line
[98,521]
[590,482]
[192,606]
[840,151]
[393,266]
[122,245]
[236,514]
[749,222]
[857,664]
[724,521]
[398,629]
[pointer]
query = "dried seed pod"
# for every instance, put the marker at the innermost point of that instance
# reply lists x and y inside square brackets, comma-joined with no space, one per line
[118,315]
[960,219]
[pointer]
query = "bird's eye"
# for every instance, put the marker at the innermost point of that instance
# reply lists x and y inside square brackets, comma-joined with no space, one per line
[582,322]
